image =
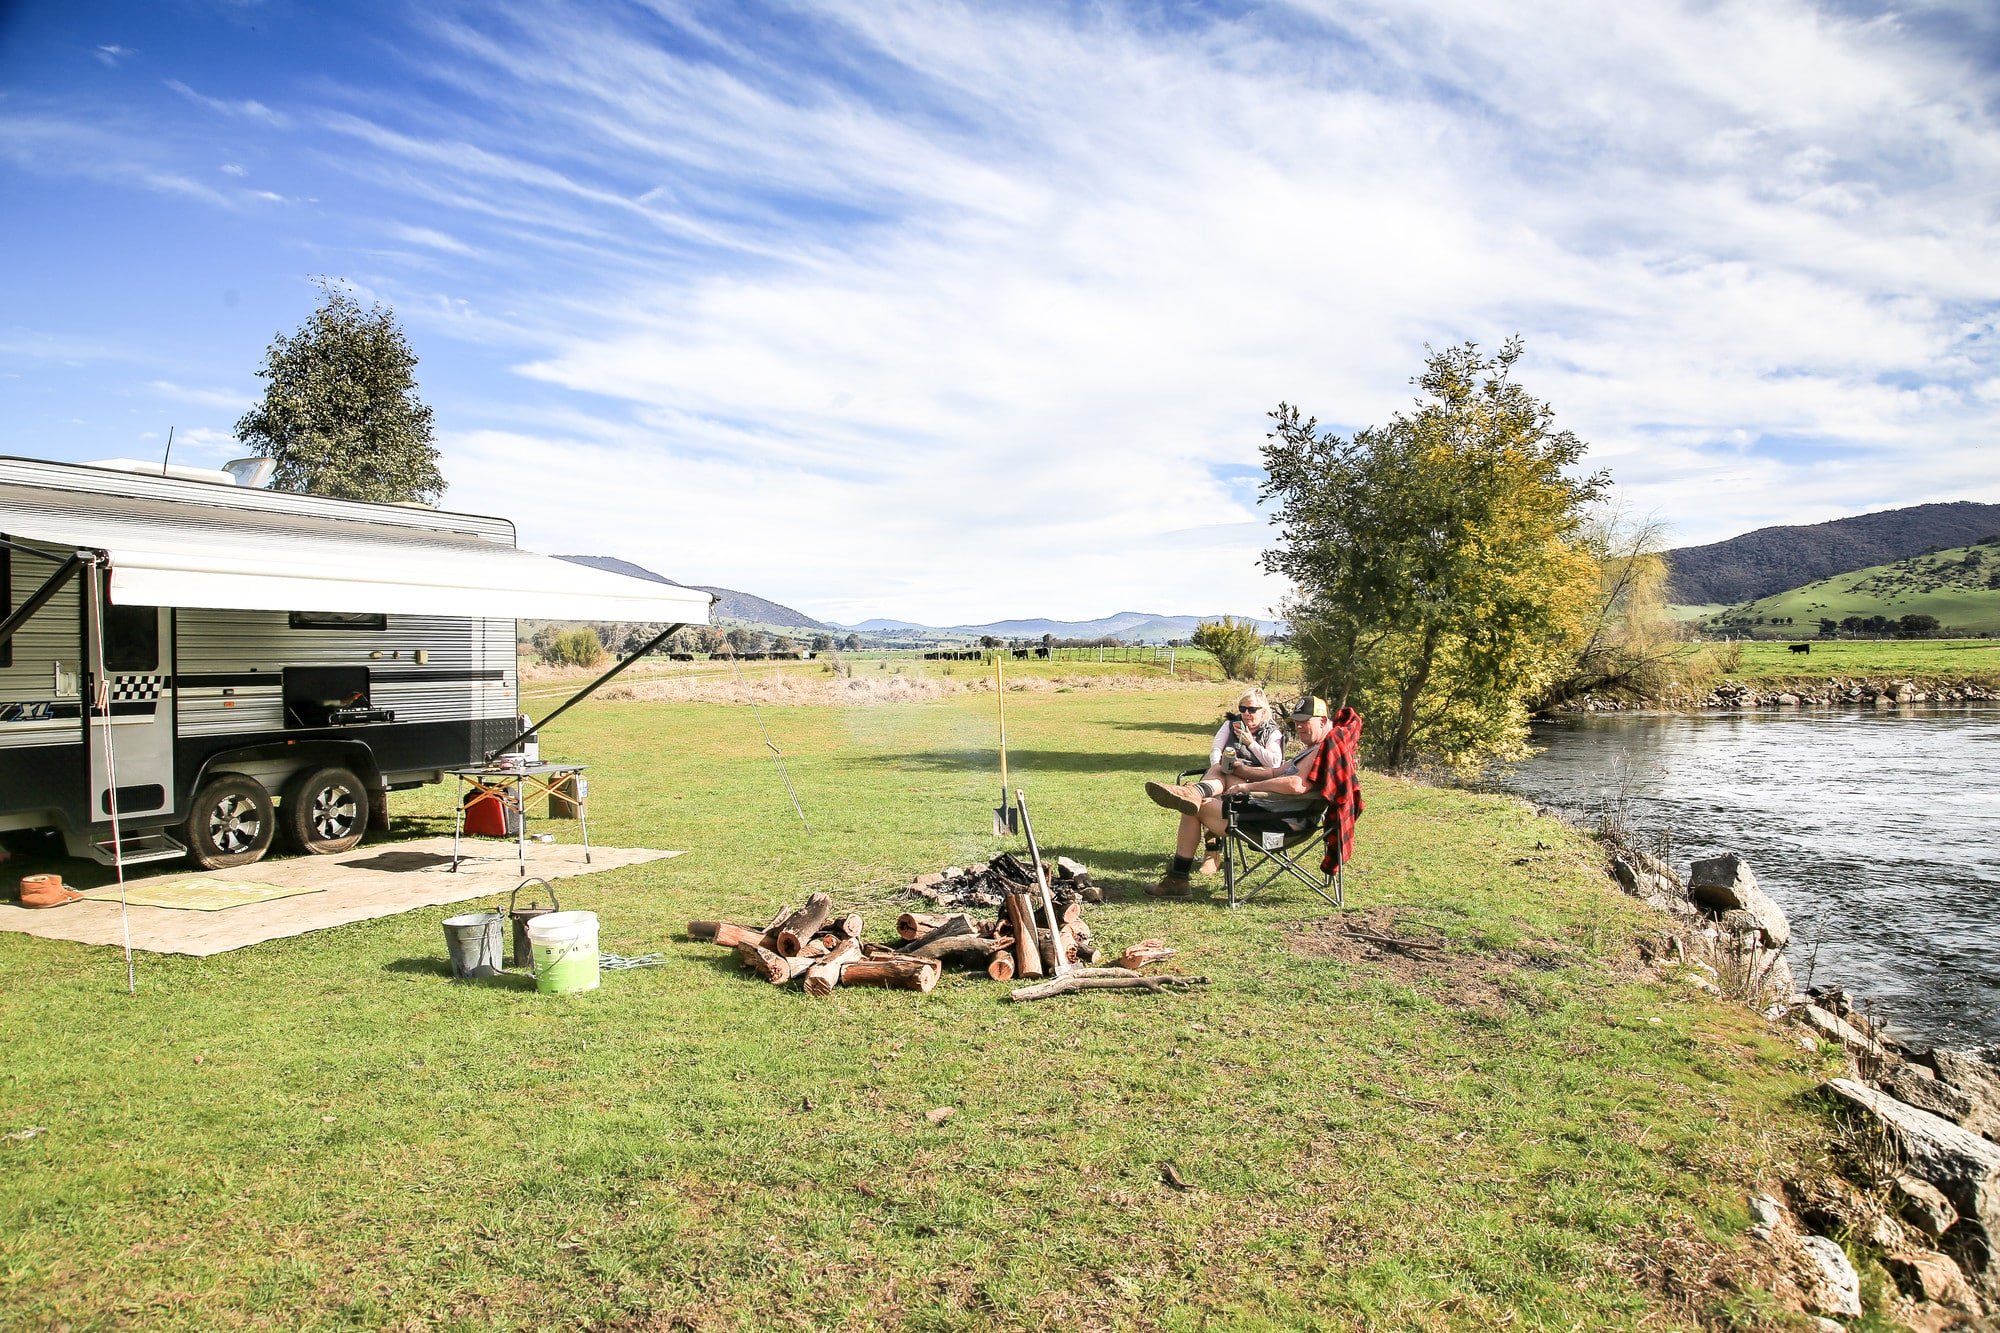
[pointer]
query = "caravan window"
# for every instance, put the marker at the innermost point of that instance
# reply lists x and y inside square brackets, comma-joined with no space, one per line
[338,620]
[132,638]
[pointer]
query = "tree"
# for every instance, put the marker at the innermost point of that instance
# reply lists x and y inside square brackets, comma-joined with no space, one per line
[1916,625]
[340,413]
[1233,643]
[1630,646]
[852,643]
[821,643]
[744,639]
[1441,579]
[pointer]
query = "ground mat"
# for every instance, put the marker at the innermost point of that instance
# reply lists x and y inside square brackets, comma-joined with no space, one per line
[199,895]
[374,880]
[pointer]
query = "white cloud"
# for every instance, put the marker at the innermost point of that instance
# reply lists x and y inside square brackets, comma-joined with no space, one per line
[244,109]
[219,398]
[857,308]
[233,169]
[112,56]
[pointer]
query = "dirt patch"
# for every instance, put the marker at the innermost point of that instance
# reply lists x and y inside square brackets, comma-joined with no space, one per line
[1393,943]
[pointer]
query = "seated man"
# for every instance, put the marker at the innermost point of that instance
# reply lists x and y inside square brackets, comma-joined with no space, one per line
[1277,791]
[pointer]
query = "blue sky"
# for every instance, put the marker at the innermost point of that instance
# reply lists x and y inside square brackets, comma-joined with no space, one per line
[952,313]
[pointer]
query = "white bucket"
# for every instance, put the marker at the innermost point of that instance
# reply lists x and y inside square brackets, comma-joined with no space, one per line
[565,949]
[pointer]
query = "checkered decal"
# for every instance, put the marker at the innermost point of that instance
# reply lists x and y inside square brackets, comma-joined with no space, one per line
[135,689]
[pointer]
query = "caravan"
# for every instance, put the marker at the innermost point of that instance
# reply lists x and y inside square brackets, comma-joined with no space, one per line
[191,665]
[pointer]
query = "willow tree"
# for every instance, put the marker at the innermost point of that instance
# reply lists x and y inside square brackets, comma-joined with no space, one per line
[1441,576]
[340,411]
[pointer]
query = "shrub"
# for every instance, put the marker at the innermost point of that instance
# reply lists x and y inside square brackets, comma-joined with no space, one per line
[578,647]
[1233,644]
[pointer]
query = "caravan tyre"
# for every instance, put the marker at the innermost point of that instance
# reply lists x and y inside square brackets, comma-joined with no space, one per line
[230,822]
[325,811]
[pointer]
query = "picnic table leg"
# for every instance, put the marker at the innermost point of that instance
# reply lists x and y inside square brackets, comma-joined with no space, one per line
[457,821]
[521,823]
[581,786]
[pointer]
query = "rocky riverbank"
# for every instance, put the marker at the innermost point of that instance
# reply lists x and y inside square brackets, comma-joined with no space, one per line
[1798,692]
[1917,1187]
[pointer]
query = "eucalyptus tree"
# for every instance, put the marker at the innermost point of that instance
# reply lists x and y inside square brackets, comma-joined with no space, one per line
[1440,569]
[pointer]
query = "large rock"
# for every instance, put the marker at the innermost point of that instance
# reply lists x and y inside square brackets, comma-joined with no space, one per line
[1964,1166]
[1650,880]
[1929,1276]
[1840,1030]
[1838,1290]
[1726,884]
[1978,1081]
[1927,1092]
[1923,1205]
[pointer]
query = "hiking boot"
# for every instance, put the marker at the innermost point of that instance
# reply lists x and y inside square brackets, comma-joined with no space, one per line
[1184,799]
[1170,886]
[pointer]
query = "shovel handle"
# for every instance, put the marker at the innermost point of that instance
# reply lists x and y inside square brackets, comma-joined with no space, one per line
[1042,879]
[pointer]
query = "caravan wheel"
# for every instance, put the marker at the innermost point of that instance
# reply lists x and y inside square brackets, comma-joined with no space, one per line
[326,811]
[230,822]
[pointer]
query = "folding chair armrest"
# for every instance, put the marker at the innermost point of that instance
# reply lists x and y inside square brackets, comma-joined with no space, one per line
[1187,773]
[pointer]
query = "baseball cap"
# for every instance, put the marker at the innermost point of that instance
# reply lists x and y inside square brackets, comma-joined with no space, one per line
[1310,706]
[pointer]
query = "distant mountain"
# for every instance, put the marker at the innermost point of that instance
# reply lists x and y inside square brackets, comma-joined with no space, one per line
[741,606]
[1771,560]
[1133,626]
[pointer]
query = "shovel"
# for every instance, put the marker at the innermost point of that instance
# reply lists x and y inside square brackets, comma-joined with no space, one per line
[1006,818]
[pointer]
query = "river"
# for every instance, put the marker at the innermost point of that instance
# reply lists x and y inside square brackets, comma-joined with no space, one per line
[1877,831]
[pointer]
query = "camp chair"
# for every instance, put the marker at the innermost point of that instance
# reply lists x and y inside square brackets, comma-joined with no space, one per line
[1257,841]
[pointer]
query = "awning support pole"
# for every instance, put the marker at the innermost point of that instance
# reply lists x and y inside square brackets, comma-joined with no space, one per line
[42,595]
[588,690]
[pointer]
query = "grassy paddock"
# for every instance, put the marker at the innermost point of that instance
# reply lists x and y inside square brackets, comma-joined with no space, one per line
[1958,659]
[328,1133]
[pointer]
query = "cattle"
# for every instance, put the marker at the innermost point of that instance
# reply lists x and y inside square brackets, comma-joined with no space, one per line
[1801,647]
[681,657]
[1020,654]
[1041,652]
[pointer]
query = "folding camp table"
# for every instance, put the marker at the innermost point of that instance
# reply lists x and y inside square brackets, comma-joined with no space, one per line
[514,788]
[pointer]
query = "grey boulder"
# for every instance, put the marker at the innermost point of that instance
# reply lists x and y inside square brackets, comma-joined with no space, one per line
[1725,884]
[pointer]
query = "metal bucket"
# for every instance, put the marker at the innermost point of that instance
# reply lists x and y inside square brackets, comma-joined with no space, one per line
[474,942]
[524,951]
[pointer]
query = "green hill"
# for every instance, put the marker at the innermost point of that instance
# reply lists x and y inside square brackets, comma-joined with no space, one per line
[1961,587]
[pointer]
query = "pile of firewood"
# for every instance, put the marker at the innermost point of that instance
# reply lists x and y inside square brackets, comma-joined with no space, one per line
[1032,932]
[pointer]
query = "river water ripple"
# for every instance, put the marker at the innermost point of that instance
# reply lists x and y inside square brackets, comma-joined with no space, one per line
[1877,831]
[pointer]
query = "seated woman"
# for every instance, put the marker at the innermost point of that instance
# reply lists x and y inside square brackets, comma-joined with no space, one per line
[1256,737]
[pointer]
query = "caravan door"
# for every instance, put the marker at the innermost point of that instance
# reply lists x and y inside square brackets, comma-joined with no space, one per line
[137,676]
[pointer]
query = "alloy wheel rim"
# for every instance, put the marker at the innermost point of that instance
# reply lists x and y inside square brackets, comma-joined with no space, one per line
[234,825]
[334,811]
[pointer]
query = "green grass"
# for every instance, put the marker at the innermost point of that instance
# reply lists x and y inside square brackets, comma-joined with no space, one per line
[1961,587]
[1942,659]
[328,1133]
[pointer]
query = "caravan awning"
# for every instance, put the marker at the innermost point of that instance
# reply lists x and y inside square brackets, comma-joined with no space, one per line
[175,553]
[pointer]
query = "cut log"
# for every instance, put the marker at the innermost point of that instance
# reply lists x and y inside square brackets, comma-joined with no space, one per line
[1146,951]
[1001,968]
[824,975]
[912,924]
[1027,958]
[802,925]
[870,949]
[1049,947]
[918,974]
[728,934]
[703,930]
[958,924]
[1096,978]
[1088,954]
[965,950]
[765,963]
[847,927]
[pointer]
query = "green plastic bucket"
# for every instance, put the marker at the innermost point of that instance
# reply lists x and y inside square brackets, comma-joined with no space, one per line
[565,949]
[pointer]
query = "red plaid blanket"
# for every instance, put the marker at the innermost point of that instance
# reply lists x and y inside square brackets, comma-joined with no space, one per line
[1334,775]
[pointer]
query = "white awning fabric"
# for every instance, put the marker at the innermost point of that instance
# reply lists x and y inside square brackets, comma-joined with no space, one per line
[169,553]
